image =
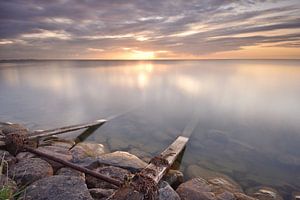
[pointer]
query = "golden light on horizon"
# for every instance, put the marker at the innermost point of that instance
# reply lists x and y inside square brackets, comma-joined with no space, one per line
[141,55]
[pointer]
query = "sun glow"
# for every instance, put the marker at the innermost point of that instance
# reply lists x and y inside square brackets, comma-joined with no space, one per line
[142,55]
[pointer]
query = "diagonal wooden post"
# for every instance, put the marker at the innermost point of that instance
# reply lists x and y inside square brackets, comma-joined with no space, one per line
[144,184]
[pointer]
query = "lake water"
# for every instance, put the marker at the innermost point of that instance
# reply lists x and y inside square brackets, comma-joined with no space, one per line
[248,112]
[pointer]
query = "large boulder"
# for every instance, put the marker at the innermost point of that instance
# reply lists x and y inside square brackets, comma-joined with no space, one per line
[110,171]
[166,192]
[122,159]
[30,170]
[58,187]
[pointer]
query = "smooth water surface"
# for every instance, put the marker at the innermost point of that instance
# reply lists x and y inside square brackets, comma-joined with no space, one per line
[248,111]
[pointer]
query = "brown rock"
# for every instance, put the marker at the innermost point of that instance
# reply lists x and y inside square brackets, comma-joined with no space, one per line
[241,196]
[84,150]
[226,196]
[222,184]
[195,189]
[30,170]
[122,159]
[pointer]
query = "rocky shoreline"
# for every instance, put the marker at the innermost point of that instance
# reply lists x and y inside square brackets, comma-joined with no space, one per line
[29,177]
[26,176]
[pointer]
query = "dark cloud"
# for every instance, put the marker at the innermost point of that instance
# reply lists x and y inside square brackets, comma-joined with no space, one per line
[56,28]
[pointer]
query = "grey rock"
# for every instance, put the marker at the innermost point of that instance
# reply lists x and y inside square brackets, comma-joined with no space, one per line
[166,192]
[61,152]
[65,171]
[58,187]
[99,193]
[30,170]
[110,171]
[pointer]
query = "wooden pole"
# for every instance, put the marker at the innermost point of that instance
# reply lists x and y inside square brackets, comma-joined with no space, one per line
[151,174]
[44,133]
[74,166]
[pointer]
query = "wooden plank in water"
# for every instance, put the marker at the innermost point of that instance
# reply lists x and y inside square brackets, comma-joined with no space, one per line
[44,133]
[169,154]
[144,184]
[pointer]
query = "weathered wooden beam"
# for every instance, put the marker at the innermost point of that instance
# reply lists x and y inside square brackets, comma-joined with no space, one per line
[45,133]
[74,166]
[151,174]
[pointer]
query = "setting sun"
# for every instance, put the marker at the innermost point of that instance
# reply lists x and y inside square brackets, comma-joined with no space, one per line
[142,55]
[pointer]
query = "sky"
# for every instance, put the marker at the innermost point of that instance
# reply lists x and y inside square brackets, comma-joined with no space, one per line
[149,29]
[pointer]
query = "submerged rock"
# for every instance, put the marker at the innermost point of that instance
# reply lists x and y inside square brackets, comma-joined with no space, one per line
[122,159]
[194,189]
[196,171]
[57,187]
[217,188]
[30,170]
[110,171]
[222,184]
[264,193]
[84,150]
[166,192]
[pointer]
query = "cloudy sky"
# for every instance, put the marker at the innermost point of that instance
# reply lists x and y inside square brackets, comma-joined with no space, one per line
[149,29]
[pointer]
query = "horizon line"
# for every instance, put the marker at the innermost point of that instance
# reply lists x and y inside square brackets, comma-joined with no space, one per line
[167,59]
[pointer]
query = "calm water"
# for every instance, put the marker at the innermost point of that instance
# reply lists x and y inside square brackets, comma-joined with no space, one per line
[248,111]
